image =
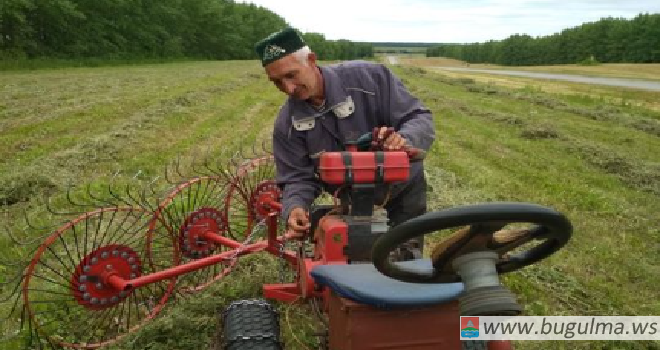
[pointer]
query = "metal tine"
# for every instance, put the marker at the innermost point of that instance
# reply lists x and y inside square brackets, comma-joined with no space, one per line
[112,192]
[33,227]
[17,276]
[72,202]
[9,316]
[15,292]
[204,162]
[25,243]
[172,170]
[167,174]
[129,195]
[254,150]
[221,170]
[145,202]
[15,263]
[193,161]
[178,169]
[207,163]
[99,202]
[51,210]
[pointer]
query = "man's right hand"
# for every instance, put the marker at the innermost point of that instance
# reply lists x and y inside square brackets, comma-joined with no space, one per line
[298,222]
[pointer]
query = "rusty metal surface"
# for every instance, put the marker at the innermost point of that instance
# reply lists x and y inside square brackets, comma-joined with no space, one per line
[359,327]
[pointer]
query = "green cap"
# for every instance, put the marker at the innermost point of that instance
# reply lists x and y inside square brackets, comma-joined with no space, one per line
[278,45]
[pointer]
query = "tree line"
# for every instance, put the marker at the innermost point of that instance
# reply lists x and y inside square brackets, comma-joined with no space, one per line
[609,40]
[147,29]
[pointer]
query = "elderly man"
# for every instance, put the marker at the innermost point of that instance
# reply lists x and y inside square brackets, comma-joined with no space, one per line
[330,105]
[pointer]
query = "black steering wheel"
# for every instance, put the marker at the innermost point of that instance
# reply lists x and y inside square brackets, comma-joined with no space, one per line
[484,232]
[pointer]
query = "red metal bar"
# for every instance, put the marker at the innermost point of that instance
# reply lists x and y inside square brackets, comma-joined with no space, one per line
[288,293]
[122,284]
[117,283]
[221,240]
[273,204]
[290,256]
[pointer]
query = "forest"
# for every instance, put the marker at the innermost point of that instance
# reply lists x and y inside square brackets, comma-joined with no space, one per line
[147,29]
[609,40]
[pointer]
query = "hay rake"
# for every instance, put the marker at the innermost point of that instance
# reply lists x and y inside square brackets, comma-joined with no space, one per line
[120,255]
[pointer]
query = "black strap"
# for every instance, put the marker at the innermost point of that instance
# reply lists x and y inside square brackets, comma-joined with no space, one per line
[380,167]
[348,165]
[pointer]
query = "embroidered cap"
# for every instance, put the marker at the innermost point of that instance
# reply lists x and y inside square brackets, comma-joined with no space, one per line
[278,45]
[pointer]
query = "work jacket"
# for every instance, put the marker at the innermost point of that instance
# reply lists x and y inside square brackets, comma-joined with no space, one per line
[359,96]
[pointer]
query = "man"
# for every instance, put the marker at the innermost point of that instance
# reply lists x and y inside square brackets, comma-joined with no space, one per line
[330,105]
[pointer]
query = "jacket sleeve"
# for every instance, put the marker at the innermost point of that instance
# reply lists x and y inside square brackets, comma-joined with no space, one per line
[294,171]
[406,113]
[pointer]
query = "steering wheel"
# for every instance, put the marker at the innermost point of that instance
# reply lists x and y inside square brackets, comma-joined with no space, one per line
[484,232]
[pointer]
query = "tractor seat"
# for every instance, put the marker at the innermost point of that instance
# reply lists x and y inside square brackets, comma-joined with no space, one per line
[362,283]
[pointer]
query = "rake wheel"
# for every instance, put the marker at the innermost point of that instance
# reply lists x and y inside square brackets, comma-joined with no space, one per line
[252,182]
[192,209]
[64,290]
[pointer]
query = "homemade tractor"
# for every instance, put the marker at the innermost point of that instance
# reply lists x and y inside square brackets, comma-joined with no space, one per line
[109,270]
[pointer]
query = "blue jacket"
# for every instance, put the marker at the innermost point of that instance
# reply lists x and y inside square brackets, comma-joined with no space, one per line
[359,96]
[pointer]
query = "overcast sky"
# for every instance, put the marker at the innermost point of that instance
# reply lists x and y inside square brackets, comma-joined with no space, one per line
[447,21]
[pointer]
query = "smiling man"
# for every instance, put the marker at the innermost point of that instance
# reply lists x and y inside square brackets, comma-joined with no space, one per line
[330,105]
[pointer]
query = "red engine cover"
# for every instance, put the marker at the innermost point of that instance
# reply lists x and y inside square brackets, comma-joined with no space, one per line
[364,167]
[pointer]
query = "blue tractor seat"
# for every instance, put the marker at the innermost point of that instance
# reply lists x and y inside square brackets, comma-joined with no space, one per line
[362,283]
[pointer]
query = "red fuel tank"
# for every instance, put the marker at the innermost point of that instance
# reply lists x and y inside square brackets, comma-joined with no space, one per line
[339,168]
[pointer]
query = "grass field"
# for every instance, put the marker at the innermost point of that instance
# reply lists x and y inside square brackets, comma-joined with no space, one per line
[590,152]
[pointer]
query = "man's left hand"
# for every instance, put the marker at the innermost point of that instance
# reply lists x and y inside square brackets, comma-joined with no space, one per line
[390,139]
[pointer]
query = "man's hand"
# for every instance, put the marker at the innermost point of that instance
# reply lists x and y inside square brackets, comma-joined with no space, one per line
[390,139]
[298,223]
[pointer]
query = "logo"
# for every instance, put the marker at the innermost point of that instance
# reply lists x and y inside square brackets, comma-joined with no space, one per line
[469,326]
[273,51]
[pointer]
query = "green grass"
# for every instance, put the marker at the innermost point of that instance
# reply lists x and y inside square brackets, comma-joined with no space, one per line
[581,151]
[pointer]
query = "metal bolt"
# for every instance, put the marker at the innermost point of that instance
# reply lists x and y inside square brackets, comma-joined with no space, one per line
[104,301]
[105,255]
[82,288]
[94,260]
[131,260]
[124,255]
[114,300]
[94,301]
[86,296]
[82,279]
[108,267]
[134,267]
[86,268]
[133,275]
[115,253]
[99,285]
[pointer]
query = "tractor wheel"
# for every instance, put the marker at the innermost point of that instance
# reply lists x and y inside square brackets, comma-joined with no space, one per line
[250,325]
[474,345]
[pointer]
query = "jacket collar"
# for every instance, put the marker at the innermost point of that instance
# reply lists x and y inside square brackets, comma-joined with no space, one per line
[335,95]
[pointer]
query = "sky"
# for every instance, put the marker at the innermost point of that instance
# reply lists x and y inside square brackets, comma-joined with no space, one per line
[441,21]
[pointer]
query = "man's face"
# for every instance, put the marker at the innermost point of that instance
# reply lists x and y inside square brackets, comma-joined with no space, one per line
[294,78]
